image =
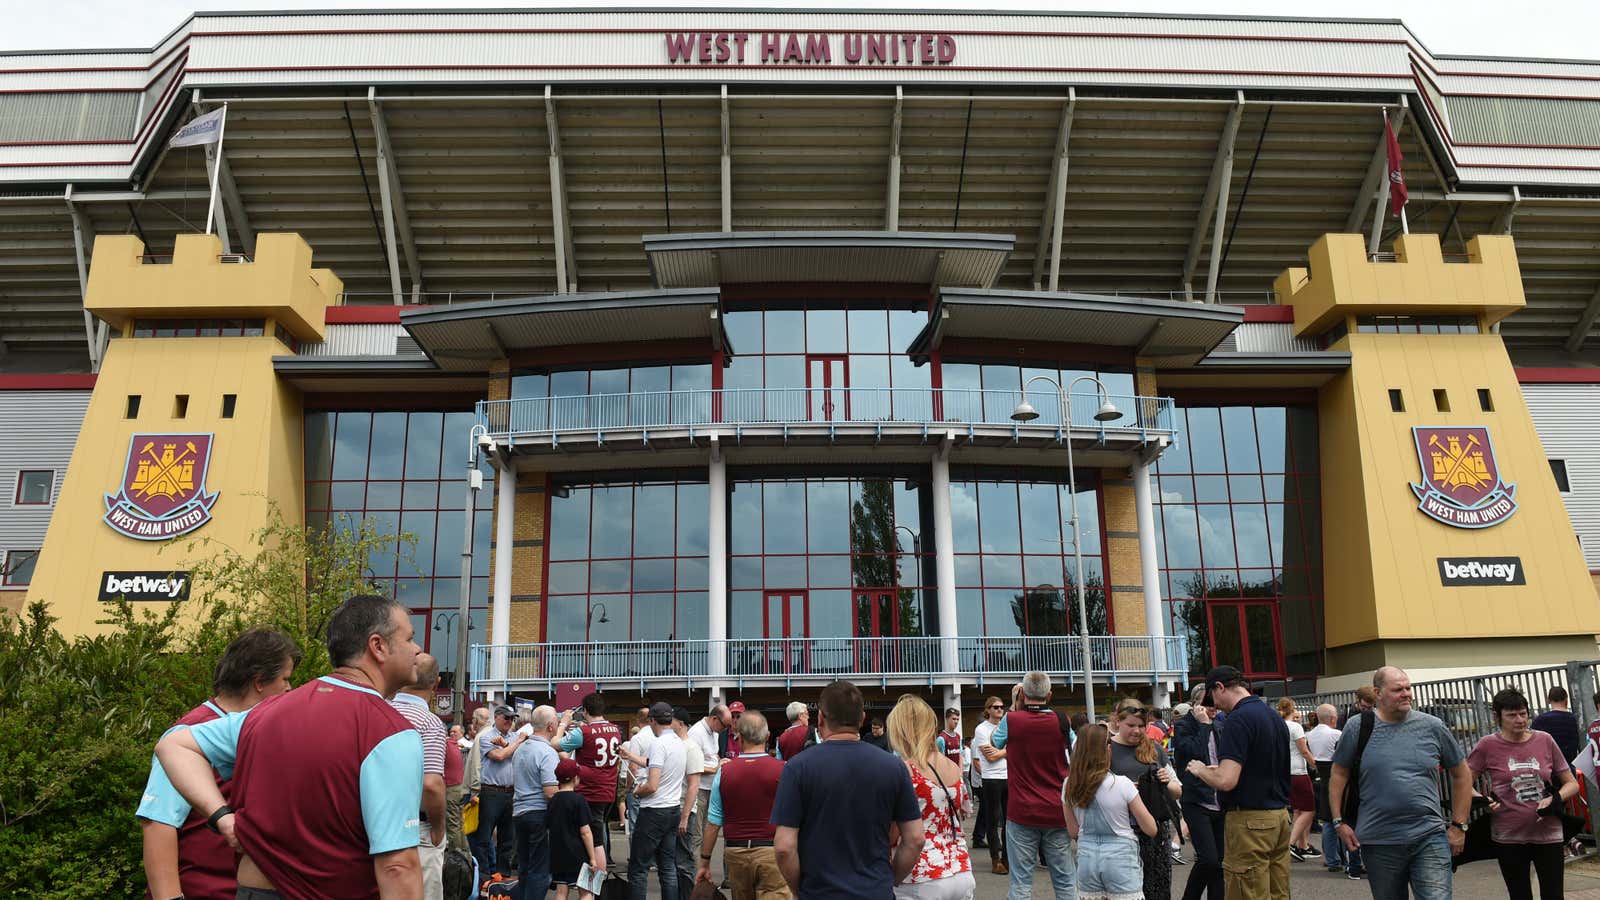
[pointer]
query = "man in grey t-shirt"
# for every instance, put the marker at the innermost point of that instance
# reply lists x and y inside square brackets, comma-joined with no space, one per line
[1400,832]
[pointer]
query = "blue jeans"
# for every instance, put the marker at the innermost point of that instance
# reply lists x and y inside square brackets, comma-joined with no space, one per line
[1335,856]
[1424,866]
[655,839]
[533,856]
[492,842]
[1024,846]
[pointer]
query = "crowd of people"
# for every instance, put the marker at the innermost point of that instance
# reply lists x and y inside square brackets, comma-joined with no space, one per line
[240,804]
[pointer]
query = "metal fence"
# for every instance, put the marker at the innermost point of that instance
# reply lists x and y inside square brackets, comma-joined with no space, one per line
[1464,705]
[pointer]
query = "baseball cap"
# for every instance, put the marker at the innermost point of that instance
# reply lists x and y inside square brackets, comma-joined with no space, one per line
[506,711]
[736,707]
[662,713]
[682,714]
[1181,710]
[566,770]
[1227,676]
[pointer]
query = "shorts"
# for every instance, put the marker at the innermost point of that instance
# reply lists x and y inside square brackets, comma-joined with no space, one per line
[1108,866]
[1302,794]
[566,877]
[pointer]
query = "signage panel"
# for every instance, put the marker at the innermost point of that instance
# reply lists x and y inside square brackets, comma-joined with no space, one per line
[140,586]
[163,493]
[1461,484]
[1481,571]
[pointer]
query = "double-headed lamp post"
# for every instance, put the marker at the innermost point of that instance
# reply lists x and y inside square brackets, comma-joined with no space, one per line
[1106,413]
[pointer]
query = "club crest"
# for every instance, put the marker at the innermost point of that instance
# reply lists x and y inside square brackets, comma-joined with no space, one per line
[1461,484]
[163,493]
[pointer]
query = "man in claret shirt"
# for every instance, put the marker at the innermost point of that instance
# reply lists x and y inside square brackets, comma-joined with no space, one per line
[1035,741]
[594,746]
[182,857]
[742,794]
[334,817]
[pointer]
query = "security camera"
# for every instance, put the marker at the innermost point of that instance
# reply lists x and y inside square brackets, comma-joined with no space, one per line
[485,442]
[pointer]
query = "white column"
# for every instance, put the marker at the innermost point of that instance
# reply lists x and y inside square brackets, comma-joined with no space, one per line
[944,562]
[500,615]
[1150,573]
[717,583]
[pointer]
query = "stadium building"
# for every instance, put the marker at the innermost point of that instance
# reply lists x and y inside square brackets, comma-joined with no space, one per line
[919,348]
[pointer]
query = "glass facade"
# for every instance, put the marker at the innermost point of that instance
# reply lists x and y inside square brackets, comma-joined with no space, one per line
[627,561]
[1239,525]
[1010,377]
[402,471]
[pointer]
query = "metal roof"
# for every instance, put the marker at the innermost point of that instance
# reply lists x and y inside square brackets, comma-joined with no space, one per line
[369,374]
[925,258]
[1172,332]
[467,337]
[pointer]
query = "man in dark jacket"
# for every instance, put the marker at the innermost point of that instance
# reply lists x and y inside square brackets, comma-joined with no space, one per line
[1195,736]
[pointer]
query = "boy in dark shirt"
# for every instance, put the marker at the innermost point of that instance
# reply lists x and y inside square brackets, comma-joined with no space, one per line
[571,838]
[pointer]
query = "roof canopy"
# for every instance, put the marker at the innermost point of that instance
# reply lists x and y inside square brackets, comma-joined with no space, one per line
[906,257]
[468,336]
[1173,332]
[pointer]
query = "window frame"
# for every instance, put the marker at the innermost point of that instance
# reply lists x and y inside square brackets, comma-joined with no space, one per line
[49,490]
[6,579]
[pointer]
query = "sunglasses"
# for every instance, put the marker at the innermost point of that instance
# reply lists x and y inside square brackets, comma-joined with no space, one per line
[996,706]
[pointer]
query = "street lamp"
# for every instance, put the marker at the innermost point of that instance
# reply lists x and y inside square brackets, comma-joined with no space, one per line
[589,618]
[446,622]
[1107,412]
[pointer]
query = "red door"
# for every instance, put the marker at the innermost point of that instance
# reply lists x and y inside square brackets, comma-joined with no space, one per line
[827,378]
[877,616]
[1247,635]
[786,621]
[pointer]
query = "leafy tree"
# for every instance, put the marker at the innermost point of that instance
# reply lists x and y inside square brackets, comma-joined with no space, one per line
[877,562]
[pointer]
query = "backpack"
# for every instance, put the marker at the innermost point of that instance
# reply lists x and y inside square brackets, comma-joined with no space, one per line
[460,875]
[1352,788]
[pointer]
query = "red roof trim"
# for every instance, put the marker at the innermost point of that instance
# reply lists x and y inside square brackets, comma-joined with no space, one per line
[1558,376]
[1268,312]
[365,315]
[47,382]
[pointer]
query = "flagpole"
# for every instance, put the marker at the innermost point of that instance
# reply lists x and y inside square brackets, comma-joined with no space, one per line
[216,170]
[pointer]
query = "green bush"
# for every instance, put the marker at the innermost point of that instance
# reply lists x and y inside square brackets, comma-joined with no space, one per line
[79,716]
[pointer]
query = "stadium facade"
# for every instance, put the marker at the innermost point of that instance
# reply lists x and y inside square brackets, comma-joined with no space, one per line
[786,345]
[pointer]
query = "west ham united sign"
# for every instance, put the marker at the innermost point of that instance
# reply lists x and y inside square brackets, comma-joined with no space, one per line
[1461,482]
[163,492]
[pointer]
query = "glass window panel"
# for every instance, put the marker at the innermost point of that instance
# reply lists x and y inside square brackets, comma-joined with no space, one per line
[653,617]
[998,517]
[1272,433]
[693,405]
[1088,516]
[875,570]
[1181,528]
[693,518]
[425,495]
[531,385]
[653,518]
[351,437]
[784,372]
[1216,536]
[1227,637]
[1001,610]
[1119,385]
[645,379]
[742,372]
[1244,488]
[744,330]
[573,383]
[415,593]
[904,326]
[1040,570]
[745,614]
[745,527]
[1274,487]
[1261,631]
[1274,515]
[319,446]
[610,529]
[423,436]
[746,572]
[1041,517]
[785,331]
[691,621]
[1205,440]
[481,523]
[381,561]
[1302,650]
[969,621]
[569,525]
[964,516]
[606,619]
[829,521]
[1211,488]
[1303,438]
[569,578]
[1239,433]
[968,573]
[1175,460]
[565,619]
[869,331]
[1002,571]
[869,372]
[347,495]
[693,573]
[416,554]
[446,548]
[383,495]
[830,571]
[913,400]
[825,331]
[388,445]
[1258,583]
[480,594]
[829,614]
[317,495]
[784,513]
[965,376]
[1299,582]
[785,572]
[652,574]
[1177,489]
[608,381]
[1002,387]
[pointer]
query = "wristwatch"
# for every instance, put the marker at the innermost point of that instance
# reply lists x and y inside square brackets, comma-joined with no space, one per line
[211,820]
[1460,825]
[1337,822]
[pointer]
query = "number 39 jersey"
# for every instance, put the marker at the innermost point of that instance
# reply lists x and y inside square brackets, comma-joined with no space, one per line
[597,761]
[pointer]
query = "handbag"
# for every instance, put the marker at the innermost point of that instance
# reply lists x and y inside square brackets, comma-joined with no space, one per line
[469,817]
[1154,795]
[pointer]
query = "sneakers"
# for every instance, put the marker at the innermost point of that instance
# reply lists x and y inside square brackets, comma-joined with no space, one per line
[1312,851]
[1298,854]
[1177,858]
[1354,876]
[1000,868]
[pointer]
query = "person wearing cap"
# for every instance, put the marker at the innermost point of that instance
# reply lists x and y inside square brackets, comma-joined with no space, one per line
[727,744]
[569,822]
[741,805]
[1251,778]
[660,802]
[1194,737]
[492,842]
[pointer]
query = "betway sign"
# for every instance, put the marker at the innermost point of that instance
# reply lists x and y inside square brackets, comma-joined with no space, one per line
[135,586]
[801,48]
[1485,571]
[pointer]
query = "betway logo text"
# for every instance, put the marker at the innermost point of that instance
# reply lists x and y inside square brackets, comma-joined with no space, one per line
[1481,571]
[135,586]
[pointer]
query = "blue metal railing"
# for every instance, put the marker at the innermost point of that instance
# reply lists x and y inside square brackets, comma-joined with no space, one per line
[1112,656]
[750,406]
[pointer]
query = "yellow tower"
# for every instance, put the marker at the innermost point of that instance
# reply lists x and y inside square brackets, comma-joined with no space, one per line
[189,432]
[1445,539]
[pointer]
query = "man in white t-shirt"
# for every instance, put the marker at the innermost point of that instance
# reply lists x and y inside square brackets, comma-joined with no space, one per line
[705,735]
[1323,740]
[991,763]
[660,804]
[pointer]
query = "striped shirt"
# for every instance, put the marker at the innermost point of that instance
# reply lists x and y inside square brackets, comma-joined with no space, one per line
[416,711]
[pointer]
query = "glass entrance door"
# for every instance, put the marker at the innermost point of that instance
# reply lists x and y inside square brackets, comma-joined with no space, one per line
[1247,634]
[786,622]
[877,616]
[827,378]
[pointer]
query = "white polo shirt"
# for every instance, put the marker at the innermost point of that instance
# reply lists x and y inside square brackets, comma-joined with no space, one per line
[667,755]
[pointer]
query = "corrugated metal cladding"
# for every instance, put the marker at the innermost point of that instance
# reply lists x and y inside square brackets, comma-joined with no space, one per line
[356,340]
[97,116]
[1525,120]
[1270,337]
[41,429]
[1564,416]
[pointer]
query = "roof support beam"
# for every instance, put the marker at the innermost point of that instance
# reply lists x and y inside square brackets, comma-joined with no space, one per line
[891,204]
[1052,223]
[1373,180]
[80,229]
[396,222]
[1504,221]
[234,219]
[561,228]
[727,165]
[1214,206]
[1580,331]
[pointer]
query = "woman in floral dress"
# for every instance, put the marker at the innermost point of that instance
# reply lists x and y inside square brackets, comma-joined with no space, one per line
[944,870]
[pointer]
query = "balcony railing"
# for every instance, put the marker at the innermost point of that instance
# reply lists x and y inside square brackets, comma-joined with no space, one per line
[783,660]
[1145,417]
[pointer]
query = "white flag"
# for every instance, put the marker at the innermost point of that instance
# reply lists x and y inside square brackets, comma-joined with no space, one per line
[206,129]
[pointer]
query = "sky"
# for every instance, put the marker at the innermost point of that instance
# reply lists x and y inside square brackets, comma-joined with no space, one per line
[1562,29]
